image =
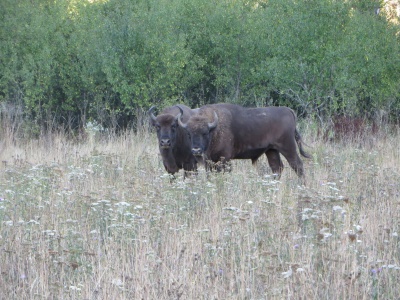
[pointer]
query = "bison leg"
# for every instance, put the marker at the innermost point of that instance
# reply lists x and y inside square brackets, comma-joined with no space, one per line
[189,168]
[275,162]
[295,162]
[297,165]
[289,151]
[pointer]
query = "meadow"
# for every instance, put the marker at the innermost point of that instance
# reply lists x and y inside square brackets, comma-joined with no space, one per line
[100,219]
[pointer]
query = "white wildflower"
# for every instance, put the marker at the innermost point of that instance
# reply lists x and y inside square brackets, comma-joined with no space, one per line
[123,203]
[288,273]
[117,282]
[33,222]
[300,270]
[358,228]
[337,207]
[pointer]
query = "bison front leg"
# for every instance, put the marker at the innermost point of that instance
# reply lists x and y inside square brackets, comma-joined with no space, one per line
[190,168]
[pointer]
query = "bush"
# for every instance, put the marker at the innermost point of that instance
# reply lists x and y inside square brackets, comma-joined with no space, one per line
[66,63]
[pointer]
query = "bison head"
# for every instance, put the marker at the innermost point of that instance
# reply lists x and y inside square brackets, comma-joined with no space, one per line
[199,130]
[166,126]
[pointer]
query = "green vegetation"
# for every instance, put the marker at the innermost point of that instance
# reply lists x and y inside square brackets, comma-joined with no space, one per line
[97,217]
[73,61]
[101,220]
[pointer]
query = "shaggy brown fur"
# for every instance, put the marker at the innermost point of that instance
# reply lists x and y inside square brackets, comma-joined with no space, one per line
[221,132]
[173,141]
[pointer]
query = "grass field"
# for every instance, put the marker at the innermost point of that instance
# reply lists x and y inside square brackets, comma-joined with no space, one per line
[100,219]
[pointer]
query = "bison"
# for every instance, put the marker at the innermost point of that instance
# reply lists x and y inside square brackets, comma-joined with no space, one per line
[221,132]
[173,141]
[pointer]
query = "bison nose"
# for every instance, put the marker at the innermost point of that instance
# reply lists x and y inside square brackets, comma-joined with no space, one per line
[165,143]
[197,151]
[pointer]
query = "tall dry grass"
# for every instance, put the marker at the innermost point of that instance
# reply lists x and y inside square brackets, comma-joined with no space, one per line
[100,219]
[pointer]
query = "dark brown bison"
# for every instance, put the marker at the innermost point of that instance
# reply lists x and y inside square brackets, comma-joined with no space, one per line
[173,141]
[221,132]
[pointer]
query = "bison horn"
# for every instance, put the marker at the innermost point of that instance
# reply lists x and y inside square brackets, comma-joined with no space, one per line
[150,112]
[180,109]
[180,122]
[213,124]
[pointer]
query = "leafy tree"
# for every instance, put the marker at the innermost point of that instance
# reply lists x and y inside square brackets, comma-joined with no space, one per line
[68,62]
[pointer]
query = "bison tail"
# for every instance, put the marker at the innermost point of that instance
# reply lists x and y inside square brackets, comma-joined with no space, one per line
[299,142]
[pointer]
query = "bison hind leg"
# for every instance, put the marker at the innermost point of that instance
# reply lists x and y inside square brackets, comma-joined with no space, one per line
[275,162]
[296,164]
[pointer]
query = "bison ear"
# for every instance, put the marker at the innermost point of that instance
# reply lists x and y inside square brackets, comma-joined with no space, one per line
[181,124]
[152,116]
[214,124]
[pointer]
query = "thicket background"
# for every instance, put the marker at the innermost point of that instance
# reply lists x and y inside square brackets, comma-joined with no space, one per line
[65,63]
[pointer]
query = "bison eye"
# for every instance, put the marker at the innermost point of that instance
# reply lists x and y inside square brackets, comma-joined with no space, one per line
[158,127]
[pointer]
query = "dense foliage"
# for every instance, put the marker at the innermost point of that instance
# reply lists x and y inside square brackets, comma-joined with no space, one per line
[70,61]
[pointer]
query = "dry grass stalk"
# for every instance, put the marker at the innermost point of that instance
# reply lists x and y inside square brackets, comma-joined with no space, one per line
[101,220]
